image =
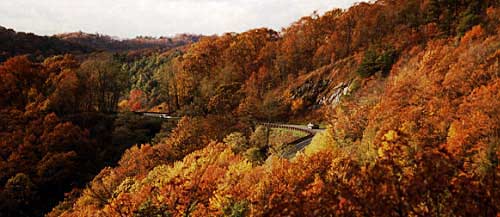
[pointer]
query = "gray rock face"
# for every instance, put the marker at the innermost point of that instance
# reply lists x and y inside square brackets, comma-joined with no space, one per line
[310,90]
[335,95]
[318,93]
[339,91]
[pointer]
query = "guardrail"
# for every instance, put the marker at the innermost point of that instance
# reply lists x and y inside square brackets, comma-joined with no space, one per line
[157,114]
[283,126]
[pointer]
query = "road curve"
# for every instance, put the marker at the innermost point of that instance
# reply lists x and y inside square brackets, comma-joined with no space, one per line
[297,145]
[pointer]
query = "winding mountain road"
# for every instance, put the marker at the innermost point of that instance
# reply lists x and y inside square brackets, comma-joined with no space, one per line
[157,115]
[296,146]
[299,144]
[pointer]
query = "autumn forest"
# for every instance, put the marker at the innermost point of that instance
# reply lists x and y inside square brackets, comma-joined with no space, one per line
[405,93]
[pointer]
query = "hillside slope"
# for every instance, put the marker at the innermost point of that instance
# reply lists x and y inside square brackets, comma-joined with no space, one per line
[410,94]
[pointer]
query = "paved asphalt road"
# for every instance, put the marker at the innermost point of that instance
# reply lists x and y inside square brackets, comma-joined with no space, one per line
[289,153]
[301,145]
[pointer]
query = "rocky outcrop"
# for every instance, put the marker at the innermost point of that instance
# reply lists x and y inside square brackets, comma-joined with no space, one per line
[326,85]
[335,94]
[320,92]
[310,89]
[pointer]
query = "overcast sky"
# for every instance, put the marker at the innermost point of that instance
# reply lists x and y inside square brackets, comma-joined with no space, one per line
[129,18]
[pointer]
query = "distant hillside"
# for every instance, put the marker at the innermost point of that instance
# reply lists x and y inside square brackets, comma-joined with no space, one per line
[14,43]
[109,43]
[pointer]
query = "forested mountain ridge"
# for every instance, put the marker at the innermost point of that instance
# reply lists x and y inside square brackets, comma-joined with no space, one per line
[108,43]
[408,90]
[19,43]
[14,43]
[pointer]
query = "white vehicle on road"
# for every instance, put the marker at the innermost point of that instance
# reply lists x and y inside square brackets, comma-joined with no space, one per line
[312,126]
[165,116]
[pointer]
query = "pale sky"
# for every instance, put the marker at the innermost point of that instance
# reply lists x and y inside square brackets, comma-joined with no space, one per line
[129,18]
